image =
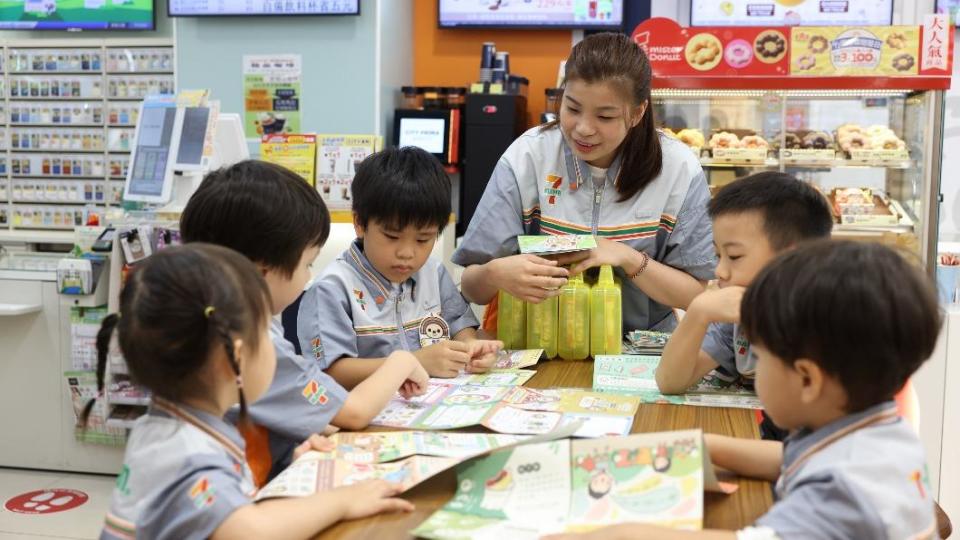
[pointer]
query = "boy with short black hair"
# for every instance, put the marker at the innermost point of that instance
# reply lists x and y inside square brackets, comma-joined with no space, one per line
[754,219]
[274,218]
[385,292]
[838,328]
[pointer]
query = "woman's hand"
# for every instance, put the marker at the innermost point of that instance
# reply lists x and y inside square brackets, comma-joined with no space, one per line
[607,252]
[528,277]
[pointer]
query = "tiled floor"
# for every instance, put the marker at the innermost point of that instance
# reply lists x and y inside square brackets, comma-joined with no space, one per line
[83,522]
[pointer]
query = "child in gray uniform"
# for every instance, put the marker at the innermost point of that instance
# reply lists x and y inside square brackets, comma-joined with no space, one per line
[194,331]
[838,328]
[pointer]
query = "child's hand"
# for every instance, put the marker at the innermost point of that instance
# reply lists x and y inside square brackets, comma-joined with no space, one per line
[444,359]
[416,383]
[371,497]
[483,354]
[314,442]
[719,305]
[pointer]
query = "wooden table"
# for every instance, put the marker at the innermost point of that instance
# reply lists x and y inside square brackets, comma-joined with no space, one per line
[720,511]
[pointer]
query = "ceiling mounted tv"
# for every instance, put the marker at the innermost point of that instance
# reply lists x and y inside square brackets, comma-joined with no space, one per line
[76,15]
[791,13]
[587,14]
[258,8]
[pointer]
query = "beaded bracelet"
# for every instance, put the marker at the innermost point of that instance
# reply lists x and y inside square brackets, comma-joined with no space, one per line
[643,266]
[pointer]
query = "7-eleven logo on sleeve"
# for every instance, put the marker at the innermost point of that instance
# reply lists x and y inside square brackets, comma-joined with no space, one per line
[315,393]
[202,493]
[552,190]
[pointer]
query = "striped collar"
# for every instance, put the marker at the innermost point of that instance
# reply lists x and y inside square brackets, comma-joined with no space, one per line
[578,170]
[216,428]
[379,286]
[802,445]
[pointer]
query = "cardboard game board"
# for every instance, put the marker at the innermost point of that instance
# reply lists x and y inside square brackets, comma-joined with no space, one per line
[577,485]
[634,375]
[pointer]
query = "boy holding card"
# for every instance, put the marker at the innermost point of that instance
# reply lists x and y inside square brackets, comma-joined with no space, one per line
[837,328]
[386,293]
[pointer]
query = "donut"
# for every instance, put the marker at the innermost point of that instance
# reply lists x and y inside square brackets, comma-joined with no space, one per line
[753,141]
[848,129]
[887,142]
[724,140]
[896,40]
[691,137]
[880,131]
[791,140]
[806,62]
[854,141]
[819,140]
[738,53]
[818,44]
[902,62]
[770,46]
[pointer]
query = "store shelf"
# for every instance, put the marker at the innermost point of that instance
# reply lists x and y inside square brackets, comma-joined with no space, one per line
[119,400]
[51,72]
[58,151]
[710,162]
[36,237]
[128,73]
[55,126]
[56,202]
[67,177]
[70,99]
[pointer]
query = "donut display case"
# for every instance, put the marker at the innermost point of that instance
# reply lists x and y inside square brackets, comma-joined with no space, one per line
[856,111]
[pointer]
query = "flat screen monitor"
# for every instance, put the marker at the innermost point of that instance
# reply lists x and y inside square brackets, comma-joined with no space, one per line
[431,130]
[792,13]
[150,176]
[223,8]
[193,134]
[77,15]
[598,14]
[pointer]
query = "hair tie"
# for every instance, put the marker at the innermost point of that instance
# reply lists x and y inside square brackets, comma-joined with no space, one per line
[208,311]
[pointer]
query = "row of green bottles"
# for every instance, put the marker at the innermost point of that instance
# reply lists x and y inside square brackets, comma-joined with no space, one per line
[586,319]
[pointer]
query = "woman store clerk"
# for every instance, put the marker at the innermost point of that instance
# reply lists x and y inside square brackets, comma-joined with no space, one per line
[601,169]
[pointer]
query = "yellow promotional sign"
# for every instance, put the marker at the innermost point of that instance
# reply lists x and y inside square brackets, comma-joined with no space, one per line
[824,51]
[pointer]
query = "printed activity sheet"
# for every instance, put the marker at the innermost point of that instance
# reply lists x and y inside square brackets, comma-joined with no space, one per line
[634,375]
[404,457]
[512,409]
[578,485]
[552,244]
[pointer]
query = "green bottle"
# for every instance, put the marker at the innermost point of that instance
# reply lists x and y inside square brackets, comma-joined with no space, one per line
[574,336]
[542,326]
[511,321]
[606,317]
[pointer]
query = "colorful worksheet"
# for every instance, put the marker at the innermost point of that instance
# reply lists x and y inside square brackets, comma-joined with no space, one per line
[554,244]
[577,485]
[403,457]
[634,375]
[512,409]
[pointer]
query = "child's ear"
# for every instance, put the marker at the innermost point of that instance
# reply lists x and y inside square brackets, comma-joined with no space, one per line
[811,380]
[358,227]
[238,353]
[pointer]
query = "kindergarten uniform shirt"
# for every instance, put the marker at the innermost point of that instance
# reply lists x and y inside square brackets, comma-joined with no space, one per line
[862,476]
[353,310]
[729,348]
[302,400]
[184,473]
[540,187]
